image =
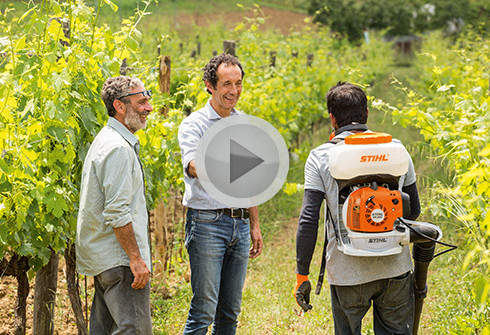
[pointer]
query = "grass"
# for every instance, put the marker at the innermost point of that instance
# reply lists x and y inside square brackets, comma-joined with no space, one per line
[169,315]
[268,306]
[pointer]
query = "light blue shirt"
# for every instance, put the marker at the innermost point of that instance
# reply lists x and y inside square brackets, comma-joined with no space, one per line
[191,130]
[343,269]
[112,195]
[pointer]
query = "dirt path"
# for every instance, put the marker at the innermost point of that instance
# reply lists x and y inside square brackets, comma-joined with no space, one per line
[282,20]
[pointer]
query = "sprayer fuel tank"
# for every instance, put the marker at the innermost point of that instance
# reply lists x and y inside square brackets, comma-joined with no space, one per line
[368,153]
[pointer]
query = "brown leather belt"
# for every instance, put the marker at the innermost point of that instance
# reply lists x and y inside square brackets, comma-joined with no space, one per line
[236,213]
[240,213]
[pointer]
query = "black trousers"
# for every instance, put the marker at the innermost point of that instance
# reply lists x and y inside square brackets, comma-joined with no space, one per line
[393,303]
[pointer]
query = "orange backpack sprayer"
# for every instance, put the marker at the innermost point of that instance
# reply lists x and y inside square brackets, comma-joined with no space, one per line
[367,167]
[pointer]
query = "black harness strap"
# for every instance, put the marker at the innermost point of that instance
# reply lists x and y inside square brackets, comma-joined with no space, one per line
[352,126]
[321,276]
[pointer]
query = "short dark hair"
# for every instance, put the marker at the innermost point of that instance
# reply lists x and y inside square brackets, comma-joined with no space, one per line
[347,103]
[212,67]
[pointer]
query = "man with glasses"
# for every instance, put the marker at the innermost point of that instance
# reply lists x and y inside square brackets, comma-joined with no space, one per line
[112,229]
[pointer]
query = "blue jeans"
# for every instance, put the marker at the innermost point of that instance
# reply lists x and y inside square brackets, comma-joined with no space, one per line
[117,307]
[393,303]
[218,248]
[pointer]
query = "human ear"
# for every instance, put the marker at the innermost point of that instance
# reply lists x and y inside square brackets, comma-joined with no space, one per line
[210,87]
[119,106]
[333,121]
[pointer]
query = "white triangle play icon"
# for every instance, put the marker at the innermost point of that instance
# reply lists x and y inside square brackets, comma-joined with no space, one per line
[242,160]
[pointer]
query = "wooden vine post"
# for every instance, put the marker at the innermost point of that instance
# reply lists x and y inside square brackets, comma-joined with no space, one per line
[163,229]
[123,69]
[164,79]
[17,267]
[309,60]
[198,46]
[73,289]
[229,47]
[45,297]
[273,55]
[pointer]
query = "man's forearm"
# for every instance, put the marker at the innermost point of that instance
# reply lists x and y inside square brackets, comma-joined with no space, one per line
[127,240]
[255,234]
[307,229]
[254,217]
[140,271]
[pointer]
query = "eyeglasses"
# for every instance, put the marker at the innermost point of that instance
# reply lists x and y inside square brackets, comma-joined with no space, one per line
[146,93]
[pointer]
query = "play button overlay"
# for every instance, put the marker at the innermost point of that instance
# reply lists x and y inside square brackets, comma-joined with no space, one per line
[242,161]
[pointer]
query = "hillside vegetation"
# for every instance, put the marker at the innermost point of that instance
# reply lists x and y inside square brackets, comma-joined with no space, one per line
[50,110]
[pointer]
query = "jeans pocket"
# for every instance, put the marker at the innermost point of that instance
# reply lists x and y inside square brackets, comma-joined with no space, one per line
[398,291]
[206,216]
[350,297]
[110,277]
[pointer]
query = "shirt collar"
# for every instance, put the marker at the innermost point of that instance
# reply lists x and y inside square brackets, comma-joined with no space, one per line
[123,131]
[213,115]
[346,133]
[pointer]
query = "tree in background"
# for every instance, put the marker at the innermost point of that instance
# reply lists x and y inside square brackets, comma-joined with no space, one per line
[398,17]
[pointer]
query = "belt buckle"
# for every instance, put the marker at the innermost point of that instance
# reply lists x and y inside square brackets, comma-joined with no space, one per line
[235,210]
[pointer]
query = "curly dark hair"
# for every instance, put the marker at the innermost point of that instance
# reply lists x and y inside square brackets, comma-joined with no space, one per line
[212,67]
[347,103]
[115,87]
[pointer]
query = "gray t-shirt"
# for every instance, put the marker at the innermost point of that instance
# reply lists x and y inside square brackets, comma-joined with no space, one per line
[344,269]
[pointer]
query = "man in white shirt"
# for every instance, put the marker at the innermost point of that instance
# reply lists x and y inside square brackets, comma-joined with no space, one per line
[112,229]
[217,238]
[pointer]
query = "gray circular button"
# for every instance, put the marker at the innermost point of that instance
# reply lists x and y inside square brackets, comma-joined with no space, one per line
[242,161]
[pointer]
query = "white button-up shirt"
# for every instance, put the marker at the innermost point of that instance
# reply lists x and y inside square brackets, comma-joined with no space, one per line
[191,130]
[112,195]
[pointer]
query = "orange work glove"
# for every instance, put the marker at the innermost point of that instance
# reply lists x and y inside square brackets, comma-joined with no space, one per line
[302,292]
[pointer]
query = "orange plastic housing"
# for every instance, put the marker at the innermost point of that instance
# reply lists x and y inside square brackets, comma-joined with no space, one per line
[368,138]
[373,211]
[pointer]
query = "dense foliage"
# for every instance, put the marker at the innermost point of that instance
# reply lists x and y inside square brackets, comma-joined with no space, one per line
[55,57]
[449,105]
[51,109]
[49,112]
[398,17]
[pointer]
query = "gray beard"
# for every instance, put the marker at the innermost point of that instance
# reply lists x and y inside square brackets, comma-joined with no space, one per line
[132,120]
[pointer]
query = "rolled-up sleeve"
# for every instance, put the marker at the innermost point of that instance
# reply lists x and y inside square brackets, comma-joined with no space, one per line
[115,174]
[189,135]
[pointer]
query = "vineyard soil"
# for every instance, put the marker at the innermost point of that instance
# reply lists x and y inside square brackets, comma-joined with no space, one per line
[64,318]
[282,20]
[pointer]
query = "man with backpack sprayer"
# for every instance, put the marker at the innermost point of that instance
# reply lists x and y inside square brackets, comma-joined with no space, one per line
[369,184]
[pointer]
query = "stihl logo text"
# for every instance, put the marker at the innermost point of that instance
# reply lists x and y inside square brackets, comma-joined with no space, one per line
[374,158]
[377,240]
